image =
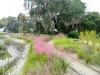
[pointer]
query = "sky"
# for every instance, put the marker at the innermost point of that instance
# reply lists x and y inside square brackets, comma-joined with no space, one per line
[14,7]
[11,7]
[92,5]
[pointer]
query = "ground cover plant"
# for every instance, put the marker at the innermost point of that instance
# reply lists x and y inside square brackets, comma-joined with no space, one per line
[7,42]
[3,52]
[66,43]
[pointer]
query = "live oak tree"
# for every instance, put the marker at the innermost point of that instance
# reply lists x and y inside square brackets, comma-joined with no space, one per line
[48,15]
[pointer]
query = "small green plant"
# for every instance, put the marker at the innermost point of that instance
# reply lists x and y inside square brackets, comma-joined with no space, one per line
[82,36]
[2,47]
[21,45]
[27,40]
[7,42]
[88,58]
[73,35]
[81,54]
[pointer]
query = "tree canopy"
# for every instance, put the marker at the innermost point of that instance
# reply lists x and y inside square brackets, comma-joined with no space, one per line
[55,14]
[91,21]
[4,21]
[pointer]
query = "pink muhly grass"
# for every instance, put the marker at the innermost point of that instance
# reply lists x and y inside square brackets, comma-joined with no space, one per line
[41,47]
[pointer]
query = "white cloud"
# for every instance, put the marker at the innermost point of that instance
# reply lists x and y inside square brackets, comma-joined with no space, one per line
[92,5]
[11,7]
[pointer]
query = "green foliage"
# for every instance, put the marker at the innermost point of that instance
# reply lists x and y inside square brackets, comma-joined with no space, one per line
[25,28]
[81,54]
[73,35]
[59,14]
[13,25]
[90,22]
[1,70]
[3,52]
[4,21]
[58,65]
[2,47]
[81,35]
[67,44]
[7,42]
[93,59]
[88,35]
[27,40]
[16,36]
[21,17]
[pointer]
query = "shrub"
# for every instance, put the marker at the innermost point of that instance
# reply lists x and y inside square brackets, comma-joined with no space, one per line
[73,35]
[7,42]
[2,47]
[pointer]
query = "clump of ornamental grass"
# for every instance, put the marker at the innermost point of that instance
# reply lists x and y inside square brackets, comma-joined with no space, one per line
[2,47]
[41,47]
[7,42]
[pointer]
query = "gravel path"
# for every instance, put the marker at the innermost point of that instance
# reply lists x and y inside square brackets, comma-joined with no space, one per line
[16,70]
[79,67]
